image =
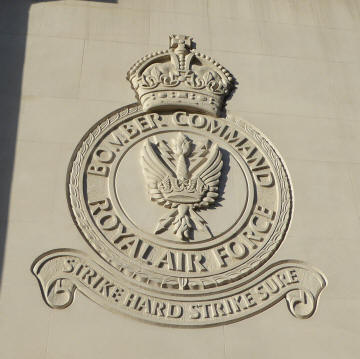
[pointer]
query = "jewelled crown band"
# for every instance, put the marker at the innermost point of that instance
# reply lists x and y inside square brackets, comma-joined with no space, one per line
[180,76]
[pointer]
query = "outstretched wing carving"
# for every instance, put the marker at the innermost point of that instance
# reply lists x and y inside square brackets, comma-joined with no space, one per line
[171,184]
[155,171]
[210,173]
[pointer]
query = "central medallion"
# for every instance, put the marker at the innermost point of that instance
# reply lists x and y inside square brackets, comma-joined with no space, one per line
[192,188]
[181,194]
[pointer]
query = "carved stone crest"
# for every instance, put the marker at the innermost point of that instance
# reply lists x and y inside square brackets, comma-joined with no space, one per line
[183,205]
[184,178]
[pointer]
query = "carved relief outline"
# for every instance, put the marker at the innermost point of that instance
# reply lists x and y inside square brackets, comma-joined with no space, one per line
[178,78]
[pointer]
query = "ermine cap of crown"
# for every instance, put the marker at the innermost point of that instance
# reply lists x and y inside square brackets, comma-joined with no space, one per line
[180,77]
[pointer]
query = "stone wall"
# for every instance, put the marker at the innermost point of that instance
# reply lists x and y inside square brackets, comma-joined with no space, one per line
[62,68]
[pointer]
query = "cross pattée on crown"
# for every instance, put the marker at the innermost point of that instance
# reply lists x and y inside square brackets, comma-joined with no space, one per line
[181,45]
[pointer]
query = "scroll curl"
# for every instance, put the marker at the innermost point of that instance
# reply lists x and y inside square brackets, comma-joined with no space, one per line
[60,293]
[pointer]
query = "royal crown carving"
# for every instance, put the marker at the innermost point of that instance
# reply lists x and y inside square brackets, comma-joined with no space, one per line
[180,76]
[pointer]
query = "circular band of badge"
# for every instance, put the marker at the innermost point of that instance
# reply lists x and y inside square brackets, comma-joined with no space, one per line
[180,204]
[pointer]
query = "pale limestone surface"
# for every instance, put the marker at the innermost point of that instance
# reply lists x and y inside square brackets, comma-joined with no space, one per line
[296,63]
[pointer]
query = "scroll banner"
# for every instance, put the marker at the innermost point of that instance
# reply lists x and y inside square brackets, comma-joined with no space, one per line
[61,272]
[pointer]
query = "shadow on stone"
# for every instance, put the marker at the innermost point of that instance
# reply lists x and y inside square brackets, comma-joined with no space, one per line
[13,30]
